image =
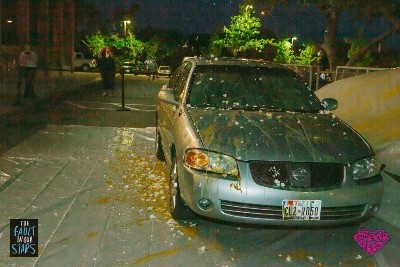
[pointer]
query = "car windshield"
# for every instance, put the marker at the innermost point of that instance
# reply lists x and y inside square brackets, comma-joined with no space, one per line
[250,88]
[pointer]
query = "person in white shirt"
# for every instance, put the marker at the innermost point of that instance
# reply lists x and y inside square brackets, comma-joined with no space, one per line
[27,71]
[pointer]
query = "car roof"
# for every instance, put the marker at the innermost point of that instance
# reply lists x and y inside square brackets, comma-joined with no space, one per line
[232,61]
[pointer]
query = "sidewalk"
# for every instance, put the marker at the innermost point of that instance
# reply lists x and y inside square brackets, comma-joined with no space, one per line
[56,84]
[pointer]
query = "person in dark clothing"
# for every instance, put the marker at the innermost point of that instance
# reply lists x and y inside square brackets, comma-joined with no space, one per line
[106,65]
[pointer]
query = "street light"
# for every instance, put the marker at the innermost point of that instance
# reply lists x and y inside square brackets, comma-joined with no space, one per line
[293,39]
[126,22]
[249,6]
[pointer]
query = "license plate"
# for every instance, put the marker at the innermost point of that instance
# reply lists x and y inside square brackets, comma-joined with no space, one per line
[301,209]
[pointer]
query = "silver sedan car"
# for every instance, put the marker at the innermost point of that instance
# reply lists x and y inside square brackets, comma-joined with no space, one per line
[247,141]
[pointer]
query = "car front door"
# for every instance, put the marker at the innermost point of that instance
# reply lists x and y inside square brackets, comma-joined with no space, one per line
[169,112]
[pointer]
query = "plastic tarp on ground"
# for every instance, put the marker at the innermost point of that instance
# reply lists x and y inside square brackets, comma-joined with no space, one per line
[370,103]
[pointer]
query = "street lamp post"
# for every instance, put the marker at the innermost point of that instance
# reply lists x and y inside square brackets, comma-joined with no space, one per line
[293,39]
[126,22]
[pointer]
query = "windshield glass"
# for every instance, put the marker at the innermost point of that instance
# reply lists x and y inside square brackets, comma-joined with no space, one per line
[249,88]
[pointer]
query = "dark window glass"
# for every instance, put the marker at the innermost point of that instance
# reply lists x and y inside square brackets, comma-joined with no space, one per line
[174,78]
[183,79]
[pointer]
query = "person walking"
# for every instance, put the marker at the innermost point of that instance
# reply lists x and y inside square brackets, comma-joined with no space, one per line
[106,65]
[26,72]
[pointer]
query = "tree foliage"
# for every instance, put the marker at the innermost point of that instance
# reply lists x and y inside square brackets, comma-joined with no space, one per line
[96,42]
[355,45]
[284,51]
[128,47]
[369,10]
[242,33]
[308,54]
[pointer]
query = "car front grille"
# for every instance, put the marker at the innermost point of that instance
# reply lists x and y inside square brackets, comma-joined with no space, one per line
[285,175]
[275,212]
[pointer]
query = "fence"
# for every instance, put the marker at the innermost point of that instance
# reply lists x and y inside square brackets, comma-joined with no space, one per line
[306,72]
[317,78]
[343,72]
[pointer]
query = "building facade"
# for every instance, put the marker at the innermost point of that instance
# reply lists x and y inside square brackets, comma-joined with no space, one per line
[48,25]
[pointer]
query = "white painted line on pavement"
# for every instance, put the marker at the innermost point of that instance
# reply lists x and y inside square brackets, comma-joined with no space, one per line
[93,102]
[128,106]
[136,109]
[77,105]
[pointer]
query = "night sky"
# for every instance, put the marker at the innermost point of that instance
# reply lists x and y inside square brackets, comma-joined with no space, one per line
[205,16]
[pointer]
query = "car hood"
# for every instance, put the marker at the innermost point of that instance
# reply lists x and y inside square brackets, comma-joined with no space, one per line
[279,136]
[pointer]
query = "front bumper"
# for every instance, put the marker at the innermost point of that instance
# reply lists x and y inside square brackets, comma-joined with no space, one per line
[247,202]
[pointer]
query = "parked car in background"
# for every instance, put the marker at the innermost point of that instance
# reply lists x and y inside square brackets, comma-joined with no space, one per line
[128,67]
[246,141]
[164,71]
[83,63]
[132,68]
[80,63]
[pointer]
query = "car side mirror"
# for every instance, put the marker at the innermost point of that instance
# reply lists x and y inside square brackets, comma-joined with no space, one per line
[167,95]
[329,103]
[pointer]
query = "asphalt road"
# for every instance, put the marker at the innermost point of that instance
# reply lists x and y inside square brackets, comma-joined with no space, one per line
[88,173]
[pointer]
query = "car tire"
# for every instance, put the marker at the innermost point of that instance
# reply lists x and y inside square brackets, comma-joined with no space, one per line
[177,207]
[159,151]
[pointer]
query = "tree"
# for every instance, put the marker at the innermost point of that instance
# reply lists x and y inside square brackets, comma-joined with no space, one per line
[284,51]
[128,46]
[96,42]
[308,55]
[242,33]
[215,48]
[370,9]
[331,10]
[355,45]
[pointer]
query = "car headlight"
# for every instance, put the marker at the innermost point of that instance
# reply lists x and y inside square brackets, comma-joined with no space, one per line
[211,162]
[365,168]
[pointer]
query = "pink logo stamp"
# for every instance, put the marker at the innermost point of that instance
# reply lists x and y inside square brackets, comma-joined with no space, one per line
[371,242]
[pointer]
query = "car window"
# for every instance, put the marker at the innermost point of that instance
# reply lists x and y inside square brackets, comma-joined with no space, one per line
[182,79]
[250,87]
[174,79]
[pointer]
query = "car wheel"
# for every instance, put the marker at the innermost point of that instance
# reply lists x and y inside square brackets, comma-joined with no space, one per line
[177,207]
[159,151]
